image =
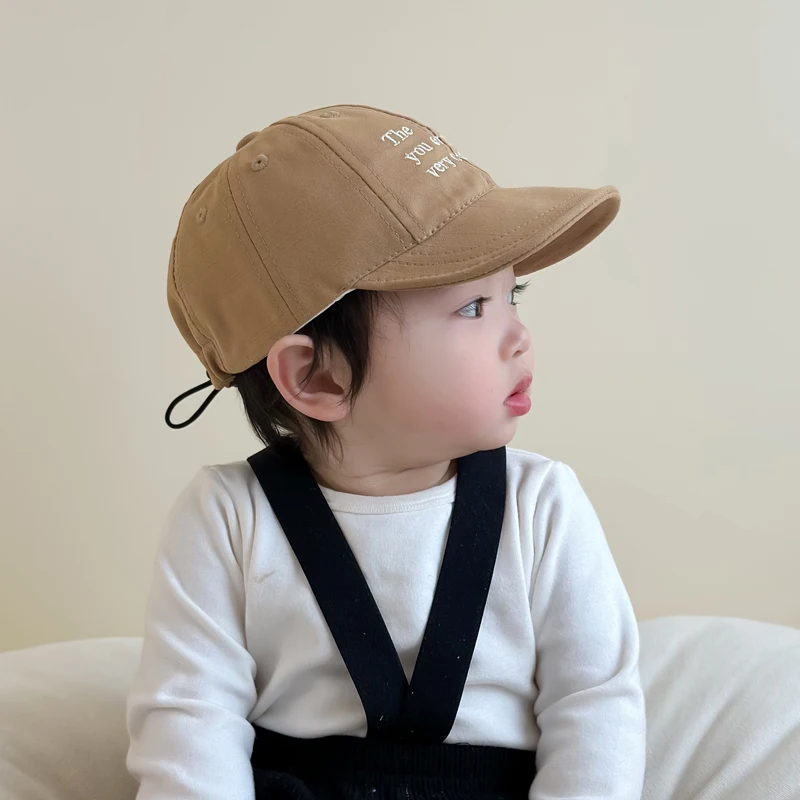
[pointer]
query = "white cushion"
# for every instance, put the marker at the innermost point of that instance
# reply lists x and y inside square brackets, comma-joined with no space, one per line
[62,720]
[723,708]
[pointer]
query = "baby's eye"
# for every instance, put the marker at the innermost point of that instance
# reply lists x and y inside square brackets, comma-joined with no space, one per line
[474,306]
[516,291]
[478,304]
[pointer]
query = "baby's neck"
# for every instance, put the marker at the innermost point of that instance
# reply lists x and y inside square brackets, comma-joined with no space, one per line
[383,480]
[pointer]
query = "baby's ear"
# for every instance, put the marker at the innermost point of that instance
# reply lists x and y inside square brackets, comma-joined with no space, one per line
[319,396]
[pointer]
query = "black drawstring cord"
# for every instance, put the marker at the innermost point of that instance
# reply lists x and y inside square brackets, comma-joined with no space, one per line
[199,411]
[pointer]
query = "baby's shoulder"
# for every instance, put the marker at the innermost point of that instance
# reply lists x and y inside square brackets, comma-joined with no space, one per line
[527,466]
[237,481]
[227,488]
[234,475]
[533,475]
[516,457]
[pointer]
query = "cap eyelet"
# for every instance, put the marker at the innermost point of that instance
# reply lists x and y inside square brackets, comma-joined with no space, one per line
[259,162]
[200,215]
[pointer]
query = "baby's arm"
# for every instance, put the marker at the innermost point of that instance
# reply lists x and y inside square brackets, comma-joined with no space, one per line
[590,708]
[188,705]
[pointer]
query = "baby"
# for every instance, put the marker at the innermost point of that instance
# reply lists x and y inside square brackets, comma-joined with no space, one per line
[386,601]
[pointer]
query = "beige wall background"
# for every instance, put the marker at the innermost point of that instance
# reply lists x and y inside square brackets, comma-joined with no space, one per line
[667,351]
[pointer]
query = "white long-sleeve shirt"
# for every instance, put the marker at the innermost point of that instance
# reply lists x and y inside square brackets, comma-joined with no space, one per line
[234,636]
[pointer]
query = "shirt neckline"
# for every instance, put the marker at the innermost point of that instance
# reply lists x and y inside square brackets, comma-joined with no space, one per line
[349,503]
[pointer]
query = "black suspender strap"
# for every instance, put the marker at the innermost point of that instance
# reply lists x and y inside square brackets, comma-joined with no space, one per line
[425,710]
[440,672]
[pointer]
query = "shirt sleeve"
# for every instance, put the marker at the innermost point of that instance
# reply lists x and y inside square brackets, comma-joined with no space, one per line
[590,707]
[187,708]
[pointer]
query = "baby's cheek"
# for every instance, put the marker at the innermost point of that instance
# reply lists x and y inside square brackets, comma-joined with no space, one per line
[440,400]
[426,407]
[466,410]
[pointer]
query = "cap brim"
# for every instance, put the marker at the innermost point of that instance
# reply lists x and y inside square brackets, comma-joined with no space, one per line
[530,227]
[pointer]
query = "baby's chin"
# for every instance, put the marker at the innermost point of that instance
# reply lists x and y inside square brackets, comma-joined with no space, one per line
[491,437]
[449,431]
[504,437]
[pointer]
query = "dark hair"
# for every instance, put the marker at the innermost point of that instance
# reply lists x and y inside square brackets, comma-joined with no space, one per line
[347,326]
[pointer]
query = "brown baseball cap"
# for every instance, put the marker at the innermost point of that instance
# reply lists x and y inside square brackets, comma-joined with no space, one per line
[349,197]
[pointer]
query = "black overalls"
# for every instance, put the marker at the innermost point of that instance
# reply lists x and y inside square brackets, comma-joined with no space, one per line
[403,756]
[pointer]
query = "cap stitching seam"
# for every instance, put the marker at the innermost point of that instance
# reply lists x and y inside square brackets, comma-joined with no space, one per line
[507,233]
[201,329]
[377,178]
[201,335]
[397,252]
[256,271]
[350,180]
[448,261]
[459,261]
[309,120]
[298,304]
[258,275]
